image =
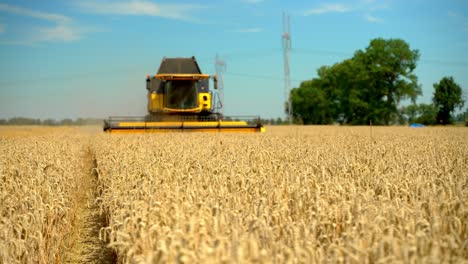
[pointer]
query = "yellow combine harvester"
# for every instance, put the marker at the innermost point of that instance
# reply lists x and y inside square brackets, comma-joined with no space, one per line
[179,99]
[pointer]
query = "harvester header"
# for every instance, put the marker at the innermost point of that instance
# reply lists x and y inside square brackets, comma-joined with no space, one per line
[179,99]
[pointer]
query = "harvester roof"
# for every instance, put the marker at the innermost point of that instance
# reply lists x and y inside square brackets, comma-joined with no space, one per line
[179,66]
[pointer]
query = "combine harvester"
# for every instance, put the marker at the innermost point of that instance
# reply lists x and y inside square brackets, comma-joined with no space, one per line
[179,100]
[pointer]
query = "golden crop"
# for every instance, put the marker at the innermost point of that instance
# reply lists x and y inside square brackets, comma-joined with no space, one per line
[294,194]
[297,194]
[39,176]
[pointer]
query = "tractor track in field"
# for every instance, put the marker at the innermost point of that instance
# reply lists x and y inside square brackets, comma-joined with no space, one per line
[84,244]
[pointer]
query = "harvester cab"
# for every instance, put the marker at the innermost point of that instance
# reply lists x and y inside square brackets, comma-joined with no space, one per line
[180,99]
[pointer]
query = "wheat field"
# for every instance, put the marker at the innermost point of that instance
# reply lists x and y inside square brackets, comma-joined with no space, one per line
[292,195]
[38,182]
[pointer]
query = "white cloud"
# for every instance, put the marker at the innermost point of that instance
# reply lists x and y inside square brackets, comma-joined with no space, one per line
[328,8]
[373,19]
[50,34]
[357,6]
[249,30]
[62,28]
[58,18]
[453,14]
[61,33]
[374,5]
[459,19]
[253,1]
[140,8]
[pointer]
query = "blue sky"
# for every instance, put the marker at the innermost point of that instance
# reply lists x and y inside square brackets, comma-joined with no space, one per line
[83,58]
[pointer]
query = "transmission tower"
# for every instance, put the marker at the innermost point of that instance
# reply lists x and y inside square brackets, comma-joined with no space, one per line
[286,37]
[220,68]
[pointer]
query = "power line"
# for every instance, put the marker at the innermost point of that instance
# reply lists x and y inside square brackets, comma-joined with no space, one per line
[253,54]
[70,76]
[260,77]
[255,76]
[321,52]
[347,54]
[448,63]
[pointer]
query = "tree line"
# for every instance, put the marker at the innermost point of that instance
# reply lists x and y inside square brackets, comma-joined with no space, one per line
[19,121]
[369,87]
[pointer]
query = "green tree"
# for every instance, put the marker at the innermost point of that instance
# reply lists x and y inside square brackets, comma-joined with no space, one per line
[367,87]
[310,103]
[49,122]
[389,67]
[427,114]
[447,97]
[460,117]
[66,122]
[412,111]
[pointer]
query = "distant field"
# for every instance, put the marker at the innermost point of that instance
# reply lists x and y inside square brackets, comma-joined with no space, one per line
[19,131]
[294,194]
[26,131]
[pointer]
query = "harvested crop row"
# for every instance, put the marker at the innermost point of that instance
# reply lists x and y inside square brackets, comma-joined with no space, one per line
[303,194]
[38,181]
